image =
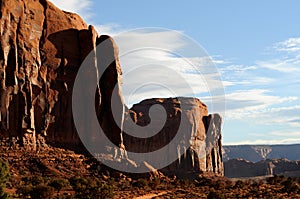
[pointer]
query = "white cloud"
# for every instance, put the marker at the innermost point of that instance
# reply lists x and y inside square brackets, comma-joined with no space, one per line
[163,63]
[286,133]
[111,29]
[253,100]
[287,55]
[242,76]
[285,66]
[290,116]
[157,72]
[243,104]
[76,6]
[290,45]
[238,68]
[250,90]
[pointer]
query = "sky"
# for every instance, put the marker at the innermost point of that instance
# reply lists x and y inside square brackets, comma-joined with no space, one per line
[253,45]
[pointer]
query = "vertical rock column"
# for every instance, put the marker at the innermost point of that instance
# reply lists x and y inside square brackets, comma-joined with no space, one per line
[110,89]
[21,31]
[214,161]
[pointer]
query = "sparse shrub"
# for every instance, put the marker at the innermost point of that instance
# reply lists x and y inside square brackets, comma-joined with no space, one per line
[255,184]
[125,185]
[289,186]
[41,192]
[33,180]
[87,188]
[229,184]
[24,191]
[141,183]
[239,184]
[37,180]
[154,184]
[203,181]
[104,191]
[185,183]
[4,177]
[58,184]
[215,195]
[79,184]
[220,185]
[276,179]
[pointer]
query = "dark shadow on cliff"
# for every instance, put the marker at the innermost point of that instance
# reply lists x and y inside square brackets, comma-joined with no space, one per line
[72,48]
[62,132]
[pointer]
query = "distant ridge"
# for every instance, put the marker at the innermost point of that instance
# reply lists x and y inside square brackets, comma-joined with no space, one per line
[256,153]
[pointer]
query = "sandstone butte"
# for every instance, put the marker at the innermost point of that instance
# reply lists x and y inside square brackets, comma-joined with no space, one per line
[42,48]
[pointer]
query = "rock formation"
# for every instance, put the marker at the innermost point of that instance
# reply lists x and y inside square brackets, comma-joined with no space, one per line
[256,153]
[202,145]
[41,51]
[239,168]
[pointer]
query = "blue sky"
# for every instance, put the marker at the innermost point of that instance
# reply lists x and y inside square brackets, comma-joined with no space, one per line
[254,44]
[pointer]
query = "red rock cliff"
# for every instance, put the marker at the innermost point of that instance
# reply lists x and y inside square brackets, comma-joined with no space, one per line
[41,51]
[201,137]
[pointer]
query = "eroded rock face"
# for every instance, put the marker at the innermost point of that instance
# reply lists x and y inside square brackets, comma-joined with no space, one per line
[41,51]
[214,159]
[201,140]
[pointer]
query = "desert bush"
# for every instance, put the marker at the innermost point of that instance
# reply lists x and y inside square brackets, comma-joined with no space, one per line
[141,183]
[124,185]
[87,188]
[239,184]
[4,177]
[104,191]
[229,184]
[154,184]
[220,184]
[276,179]
[33,180]
[289,186]
[215,195]
[203,181]
[59,183]
[41,192]
[24,191]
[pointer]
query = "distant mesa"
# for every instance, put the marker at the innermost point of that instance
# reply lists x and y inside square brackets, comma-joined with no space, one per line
[41,51]
[261,160]
[256,153]
[239,168]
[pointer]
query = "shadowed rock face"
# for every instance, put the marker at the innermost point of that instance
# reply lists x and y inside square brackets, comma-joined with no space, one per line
[41,51]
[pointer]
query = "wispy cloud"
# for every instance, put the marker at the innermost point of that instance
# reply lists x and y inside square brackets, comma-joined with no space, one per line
[164,63]
[255,103]
[77,6]
[281,65]
[290,45]
[111,29]
[250,91]
[290,116]
[286,133]
[266,92]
